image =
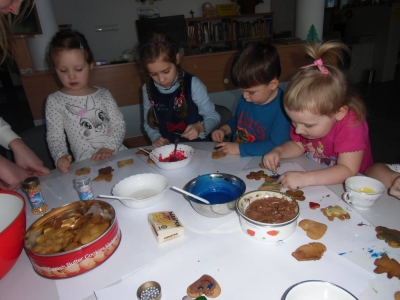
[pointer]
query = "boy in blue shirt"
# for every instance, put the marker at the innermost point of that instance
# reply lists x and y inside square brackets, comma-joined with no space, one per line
[260,123]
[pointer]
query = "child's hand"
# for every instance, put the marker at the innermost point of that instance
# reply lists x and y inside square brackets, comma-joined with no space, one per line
[293,180]
[158,142]
[271,160]
[228,148]
[218,136]
[395,188]
[193,131]
[64,163]
[102,153]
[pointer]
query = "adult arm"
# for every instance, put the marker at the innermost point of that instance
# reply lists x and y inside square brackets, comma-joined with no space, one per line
[11,175]
[206,107]
[27,159]
[6,134]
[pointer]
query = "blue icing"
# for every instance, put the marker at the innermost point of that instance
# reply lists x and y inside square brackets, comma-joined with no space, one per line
[216,190]
[375,254]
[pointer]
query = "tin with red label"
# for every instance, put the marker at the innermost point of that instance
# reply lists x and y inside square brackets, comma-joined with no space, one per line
[72,239]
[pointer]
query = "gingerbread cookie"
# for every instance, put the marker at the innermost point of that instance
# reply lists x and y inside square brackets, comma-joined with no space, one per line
[296,194]
[391,236]
[217,155]
[397,295]
[125,162]
[150,161]
[387,265]
[270,186]
[315,230]
[82,171]
[142,152]
[256,175]
[335,211]
[104,174]
[311,251]
[262,165]
[205,285]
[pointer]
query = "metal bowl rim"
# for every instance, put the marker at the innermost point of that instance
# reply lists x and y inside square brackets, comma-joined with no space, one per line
[208,205]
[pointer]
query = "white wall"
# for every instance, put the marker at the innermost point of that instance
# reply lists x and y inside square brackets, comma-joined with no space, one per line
[84,15]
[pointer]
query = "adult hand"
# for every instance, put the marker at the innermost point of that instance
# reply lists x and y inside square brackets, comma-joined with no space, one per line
[193,131]
[218,136]
[395,188]
[271,160]
[160,141]
[293,180]
[27,159]
[102,153]
[64,163]
[228,148]
[11,175]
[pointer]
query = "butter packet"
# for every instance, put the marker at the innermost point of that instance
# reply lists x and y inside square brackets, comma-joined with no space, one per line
[165,226]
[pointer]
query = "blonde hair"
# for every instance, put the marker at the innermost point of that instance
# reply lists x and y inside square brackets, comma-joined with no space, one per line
[7,24]
[323,94]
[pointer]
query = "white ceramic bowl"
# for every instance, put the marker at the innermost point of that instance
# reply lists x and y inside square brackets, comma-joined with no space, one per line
[265,232]
[148,188]
[357,196]
[166,151]
[316,290]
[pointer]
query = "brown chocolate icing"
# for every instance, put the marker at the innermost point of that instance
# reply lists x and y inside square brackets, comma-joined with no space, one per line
[271,210]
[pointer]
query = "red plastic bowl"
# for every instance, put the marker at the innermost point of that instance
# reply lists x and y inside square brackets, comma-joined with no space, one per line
[12,229]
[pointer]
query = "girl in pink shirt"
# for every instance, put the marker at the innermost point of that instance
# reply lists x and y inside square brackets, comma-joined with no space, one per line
[328,122]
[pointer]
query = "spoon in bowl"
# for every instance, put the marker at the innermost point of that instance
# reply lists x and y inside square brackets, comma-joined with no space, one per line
[118,197]
[191,195]
[151,155]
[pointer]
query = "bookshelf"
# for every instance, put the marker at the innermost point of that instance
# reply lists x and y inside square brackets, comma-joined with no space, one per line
[228,32]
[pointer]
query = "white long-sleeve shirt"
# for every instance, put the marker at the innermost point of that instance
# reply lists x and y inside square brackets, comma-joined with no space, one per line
[90,122]
[6,134]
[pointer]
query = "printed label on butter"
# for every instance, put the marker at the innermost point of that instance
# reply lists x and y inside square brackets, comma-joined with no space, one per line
[165,226]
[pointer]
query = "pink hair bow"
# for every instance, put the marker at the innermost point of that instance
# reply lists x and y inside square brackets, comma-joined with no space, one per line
[320,64]
[151,103]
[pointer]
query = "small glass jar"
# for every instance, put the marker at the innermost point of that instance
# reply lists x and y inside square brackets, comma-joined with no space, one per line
[32,189]
[83,185]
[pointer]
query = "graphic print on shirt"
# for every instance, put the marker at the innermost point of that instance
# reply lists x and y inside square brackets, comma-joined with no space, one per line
[248,131]
[318,155]
[94,123]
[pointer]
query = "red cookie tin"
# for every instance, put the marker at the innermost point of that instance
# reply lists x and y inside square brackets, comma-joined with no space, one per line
[83,258]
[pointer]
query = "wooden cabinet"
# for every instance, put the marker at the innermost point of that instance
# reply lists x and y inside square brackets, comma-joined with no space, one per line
[125,81]
[229,32]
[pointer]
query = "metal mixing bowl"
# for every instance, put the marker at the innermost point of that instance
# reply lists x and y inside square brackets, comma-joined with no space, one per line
[222,190]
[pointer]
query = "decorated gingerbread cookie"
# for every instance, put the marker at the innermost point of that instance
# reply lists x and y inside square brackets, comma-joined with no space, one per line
[390,236]
[205,285]
[336,211]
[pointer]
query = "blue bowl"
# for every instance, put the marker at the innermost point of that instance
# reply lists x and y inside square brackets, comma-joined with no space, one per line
[221,190]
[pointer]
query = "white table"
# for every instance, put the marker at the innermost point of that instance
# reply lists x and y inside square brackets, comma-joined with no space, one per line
[23,283]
